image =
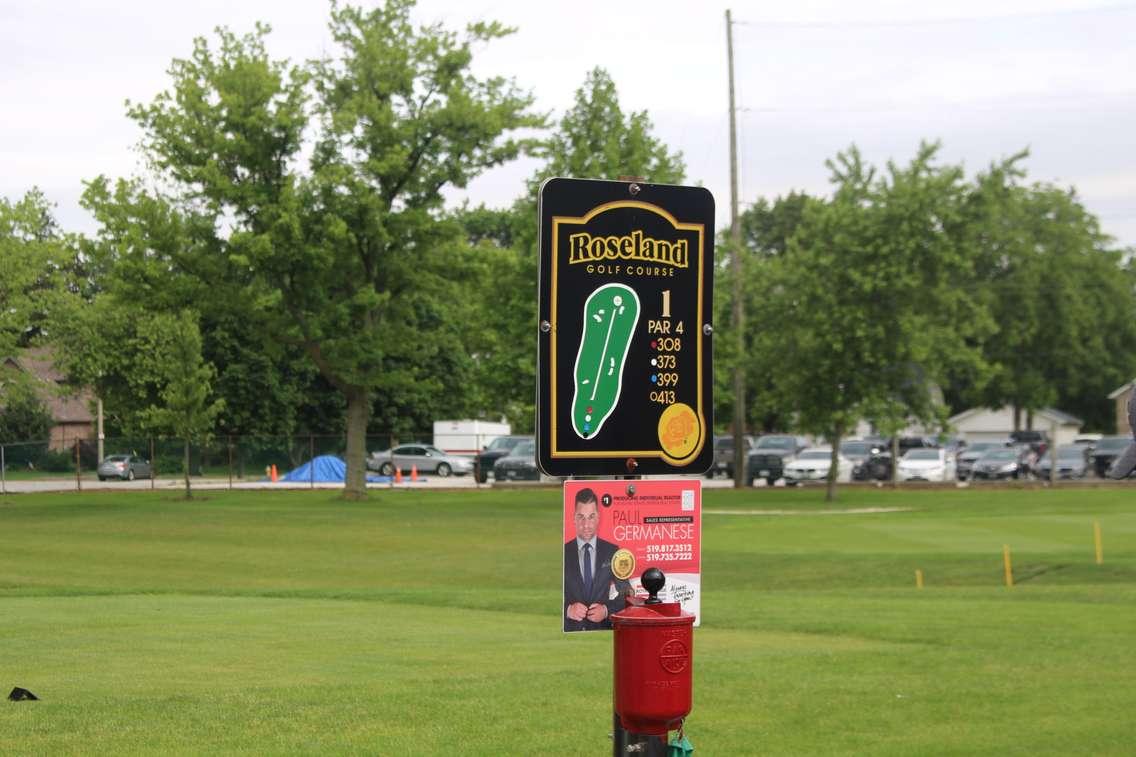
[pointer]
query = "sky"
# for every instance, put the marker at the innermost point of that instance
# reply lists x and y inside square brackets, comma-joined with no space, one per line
[986,79]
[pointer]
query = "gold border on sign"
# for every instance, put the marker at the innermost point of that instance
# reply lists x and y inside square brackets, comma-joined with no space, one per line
[698,228]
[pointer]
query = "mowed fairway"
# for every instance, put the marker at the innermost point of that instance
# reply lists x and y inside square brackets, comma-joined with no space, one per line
[428,623]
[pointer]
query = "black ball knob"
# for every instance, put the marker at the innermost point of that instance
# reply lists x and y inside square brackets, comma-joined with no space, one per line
[653,581]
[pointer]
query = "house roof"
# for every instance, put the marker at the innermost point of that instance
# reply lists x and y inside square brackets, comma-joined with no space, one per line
[1065,419]
[1122,389]
[63,403]
[1061,418]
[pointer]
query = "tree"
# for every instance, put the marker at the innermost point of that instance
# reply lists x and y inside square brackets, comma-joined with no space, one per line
[34,258]
[1059,294]
[767,228]
[25,421]
[873,299]
[332,258]
[595,139]
[185,409]
[152,257]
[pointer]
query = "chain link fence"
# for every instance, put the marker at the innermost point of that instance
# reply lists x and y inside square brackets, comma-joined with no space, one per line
[232,460]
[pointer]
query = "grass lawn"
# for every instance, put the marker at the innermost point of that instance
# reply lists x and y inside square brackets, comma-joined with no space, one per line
[428,623]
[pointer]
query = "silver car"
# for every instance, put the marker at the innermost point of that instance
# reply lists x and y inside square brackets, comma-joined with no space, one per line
[423,457]
[126,467]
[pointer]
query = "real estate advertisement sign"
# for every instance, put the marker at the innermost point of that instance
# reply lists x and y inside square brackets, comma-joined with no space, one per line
[616,529]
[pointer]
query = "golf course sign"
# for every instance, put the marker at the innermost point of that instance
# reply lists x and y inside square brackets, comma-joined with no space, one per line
[625,302]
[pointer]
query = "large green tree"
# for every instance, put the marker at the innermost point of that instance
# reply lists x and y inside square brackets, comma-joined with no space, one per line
[872,300]
[35,260]
[1062,301]
[767,228]
[595,139]
[331,251]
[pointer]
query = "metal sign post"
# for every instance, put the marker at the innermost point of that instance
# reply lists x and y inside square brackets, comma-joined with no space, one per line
[625,380]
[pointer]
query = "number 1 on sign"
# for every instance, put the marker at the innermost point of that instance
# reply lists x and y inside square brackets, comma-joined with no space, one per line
[666,303]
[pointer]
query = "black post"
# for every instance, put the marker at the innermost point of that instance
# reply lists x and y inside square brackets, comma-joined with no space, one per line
[153,464]
[628,742]
[230,462]
[312,460]
[78,480]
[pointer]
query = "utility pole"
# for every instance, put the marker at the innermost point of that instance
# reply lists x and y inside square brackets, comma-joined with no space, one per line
[99,430]
[737,319]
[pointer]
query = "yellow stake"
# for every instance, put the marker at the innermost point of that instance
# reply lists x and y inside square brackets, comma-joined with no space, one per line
[1007,564]
[1097,541]
[918,579]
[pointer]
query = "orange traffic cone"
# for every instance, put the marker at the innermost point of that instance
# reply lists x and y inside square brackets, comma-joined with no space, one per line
[274,473]
[397,476]
[414,473]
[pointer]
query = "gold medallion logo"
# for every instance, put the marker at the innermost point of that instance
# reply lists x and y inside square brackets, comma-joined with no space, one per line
[678,430]
[622,564]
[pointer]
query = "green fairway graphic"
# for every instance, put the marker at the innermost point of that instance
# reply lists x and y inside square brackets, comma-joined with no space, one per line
[610,315]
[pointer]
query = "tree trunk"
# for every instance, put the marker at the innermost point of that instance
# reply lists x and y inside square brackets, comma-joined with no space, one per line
[833,468]
[894,460]
[358,413]
[185,469]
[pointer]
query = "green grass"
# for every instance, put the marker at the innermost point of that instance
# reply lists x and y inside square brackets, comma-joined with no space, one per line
[428,623]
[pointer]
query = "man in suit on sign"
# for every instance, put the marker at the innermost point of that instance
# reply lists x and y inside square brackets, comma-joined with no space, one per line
[591,592]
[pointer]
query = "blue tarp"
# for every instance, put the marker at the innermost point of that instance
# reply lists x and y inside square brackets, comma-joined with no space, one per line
[326,469]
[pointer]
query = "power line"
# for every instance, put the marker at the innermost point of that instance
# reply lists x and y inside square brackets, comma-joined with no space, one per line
[909,23]
[1040,102]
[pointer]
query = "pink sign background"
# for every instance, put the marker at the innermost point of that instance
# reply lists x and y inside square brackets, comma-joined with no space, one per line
[660,524]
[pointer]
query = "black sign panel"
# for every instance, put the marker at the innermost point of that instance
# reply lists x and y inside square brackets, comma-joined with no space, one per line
[626,276]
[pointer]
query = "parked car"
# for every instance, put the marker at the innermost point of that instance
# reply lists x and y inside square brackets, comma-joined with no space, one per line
[913,442]
[859,450]
[998,464]
[965,460]
[519,464]
[126,467]
[1088,440]
[926,464]
[425,458]
[953,445]
[1107,450]
[770,454]
[876,468]
[1038,441]
[813,464]
[494,451]
[1072,462]
[724,455]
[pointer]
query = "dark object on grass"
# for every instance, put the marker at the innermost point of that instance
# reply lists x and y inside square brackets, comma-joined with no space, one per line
[22,695]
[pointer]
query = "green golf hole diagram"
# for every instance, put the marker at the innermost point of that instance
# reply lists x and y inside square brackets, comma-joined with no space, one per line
[610,315]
